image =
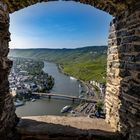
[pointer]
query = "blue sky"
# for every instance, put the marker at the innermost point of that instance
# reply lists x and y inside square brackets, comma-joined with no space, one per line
[59,25]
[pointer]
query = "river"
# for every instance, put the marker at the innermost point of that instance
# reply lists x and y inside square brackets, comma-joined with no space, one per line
[63,85]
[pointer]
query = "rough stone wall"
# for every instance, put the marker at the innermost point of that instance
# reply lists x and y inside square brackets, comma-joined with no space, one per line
[65,128]
[123,74]
[113,7]
[7,110]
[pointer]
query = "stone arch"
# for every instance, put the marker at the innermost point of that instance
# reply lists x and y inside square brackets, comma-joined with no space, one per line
[113,7]
[123,65]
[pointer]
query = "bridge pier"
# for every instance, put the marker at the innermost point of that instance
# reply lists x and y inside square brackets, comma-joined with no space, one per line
[73,100]
[49,96]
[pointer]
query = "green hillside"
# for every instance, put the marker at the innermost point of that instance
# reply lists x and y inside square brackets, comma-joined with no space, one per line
[85,63]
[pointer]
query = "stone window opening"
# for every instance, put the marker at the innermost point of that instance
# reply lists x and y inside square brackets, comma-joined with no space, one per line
[123,88]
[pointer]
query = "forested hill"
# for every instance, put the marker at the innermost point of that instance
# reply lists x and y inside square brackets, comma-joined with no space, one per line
[85,63]
[60,54]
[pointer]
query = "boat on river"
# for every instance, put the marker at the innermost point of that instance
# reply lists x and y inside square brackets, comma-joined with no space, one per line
[72,78]
[18,103]
[66,109]
[33,100]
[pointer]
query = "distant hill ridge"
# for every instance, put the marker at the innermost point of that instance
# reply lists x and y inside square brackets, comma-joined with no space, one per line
[84,63]
[48,53]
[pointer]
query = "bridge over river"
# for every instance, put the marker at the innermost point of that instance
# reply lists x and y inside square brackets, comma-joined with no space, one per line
[62,96]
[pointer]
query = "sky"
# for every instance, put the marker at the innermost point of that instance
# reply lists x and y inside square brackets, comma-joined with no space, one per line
[59,25]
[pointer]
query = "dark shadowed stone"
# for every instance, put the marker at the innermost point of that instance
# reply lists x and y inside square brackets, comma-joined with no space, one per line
[137,58]
[122,33]
[130,58]
[118,41]
[134,90]
[124,73]
[137,48]
[137,67]
[134,26]
[139,76]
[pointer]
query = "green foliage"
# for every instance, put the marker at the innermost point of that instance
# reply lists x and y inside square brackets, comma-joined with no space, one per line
[88,70]
[99,105]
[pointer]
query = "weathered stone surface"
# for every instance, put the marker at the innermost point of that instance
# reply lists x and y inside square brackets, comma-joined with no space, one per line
[113,7]
[123,113]
[56,127]
[7,109]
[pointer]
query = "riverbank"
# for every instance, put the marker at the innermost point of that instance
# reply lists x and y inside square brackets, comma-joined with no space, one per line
[89,109]
[85,88]
[85,109]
